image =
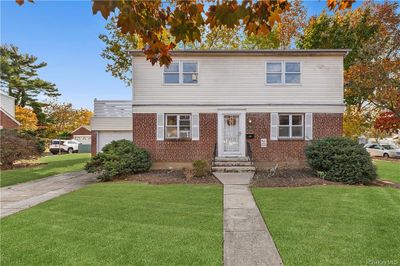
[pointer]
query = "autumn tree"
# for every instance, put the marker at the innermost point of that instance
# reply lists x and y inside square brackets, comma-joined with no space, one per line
[116,50]
[20,78]
[375,82]
[26,117]
[184,19]
[64,118]
[387,122]
[372,67]
[351,29]
[221,37]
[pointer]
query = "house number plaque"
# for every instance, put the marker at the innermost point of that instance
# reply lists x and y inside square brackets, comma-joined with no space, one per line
[263,143]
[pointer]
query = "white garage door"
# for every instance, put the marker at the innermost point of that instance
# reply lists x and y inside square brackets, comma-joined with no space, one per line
[105,137]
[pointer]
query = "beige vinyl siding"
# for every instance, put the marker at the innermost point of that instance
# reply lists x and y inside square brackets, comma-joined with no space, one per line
[8,104]
[247,108]
[111,123]
[241,80]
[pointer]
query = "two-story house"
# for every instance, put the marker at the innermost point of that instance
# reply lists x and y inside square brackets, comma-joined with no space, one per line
[262,104]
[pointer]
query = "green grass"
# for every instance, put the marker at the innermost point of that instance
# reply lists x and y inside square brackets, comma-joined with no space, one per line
[119,224]
[55,165]
[388,170]
[331,225]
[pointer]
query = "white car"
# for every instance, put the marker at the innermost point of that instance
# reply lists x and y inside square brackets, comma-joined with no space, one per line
[383,150]
[59,146]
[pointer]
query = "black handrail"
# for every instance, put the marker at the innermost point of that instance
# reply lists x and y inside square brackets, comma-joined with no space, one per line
[249,152]
[215,150]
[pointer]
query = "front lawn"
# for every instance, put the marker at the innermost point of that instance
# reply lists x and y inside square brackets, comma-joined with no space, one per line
[388,170]
[333,225]
[119,224]
[54,165]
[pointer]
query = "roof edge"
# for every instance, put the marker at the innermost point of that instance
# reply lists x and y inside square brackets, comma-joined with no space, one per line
[10,116]
[269,52]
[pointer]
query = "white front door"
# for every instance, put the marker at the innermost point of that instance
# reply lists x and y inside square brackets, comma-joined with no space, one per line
[231,134]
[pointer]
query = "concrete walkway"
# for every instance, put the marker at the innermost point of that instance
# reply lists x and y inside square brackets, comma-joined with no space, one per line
[246,237]
[25,195]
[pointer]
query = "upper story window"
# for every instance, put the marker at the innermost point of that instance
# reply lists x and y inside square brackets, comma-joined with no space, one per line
[280,72]
[291,126]
[171,73]
[181,72]
[292,72]
[177,126]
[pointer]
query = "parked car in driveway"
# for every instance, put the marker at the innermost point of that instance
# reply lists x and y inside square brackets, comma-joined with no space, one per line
[59,146]
[383,150]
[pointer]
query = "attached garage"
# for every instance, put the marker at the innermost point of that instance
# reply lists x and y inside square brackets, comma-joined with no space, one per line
[112,120]
[105,137]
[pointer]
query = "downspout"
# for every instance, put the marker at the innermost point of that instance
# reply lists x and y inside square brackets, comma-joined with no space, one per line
[133,94]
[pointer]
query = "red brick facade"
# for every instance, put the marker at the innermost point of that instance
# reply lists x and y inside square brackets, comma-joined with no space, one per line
[144,135]
[287,151]
[6,122]
[93,146]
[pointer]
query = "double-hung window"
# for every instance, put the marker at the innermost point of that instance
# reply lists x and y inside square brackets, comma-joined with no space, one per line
[292,73]
[291,126]
[181,72]
[171,73]
[274,72]
[177,126]
[282,72]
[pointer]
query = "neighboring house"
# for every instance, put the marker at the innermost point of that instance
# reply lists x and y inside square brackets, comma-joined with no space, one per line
[7,112]
[262,104]
[112,120]
[82,134]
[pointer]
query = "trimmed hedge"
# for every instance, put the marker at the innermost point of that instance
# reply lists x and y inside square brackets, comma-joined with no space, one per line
[118,158]
[341,159]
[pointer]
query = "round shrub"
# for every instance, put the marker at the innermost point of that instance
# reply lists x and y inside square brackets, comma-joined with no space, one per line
[200,168]
[118,158]
[341,159]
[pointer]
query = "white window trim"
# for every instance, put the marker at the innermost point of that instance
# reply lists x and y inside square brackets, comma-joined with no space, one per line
[290,126]
[283,74]
[181,74]
[178,126]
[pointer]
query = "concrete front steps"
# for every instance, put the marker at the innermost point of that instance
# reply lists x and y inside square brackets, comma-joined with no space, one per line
[233,164]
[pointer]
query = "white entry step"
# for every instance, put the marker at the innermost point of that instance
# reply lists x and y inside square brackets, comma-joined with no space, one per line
[232,169]
[233,164]
[232,159]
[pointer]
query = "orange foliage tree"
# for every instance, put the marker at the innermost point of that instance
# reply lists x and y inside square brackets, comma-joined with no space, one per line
[184,19]
[26,117]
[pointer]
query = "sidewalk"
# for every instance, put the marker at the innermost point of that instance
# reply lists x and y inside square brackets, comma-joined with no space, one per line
[246,237]
[25,195]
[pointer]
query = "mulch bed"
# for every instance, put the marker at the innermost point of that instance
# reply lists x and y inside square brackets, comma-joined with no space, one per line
[385,183]
[159,177]
[288,178]
[300,178]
